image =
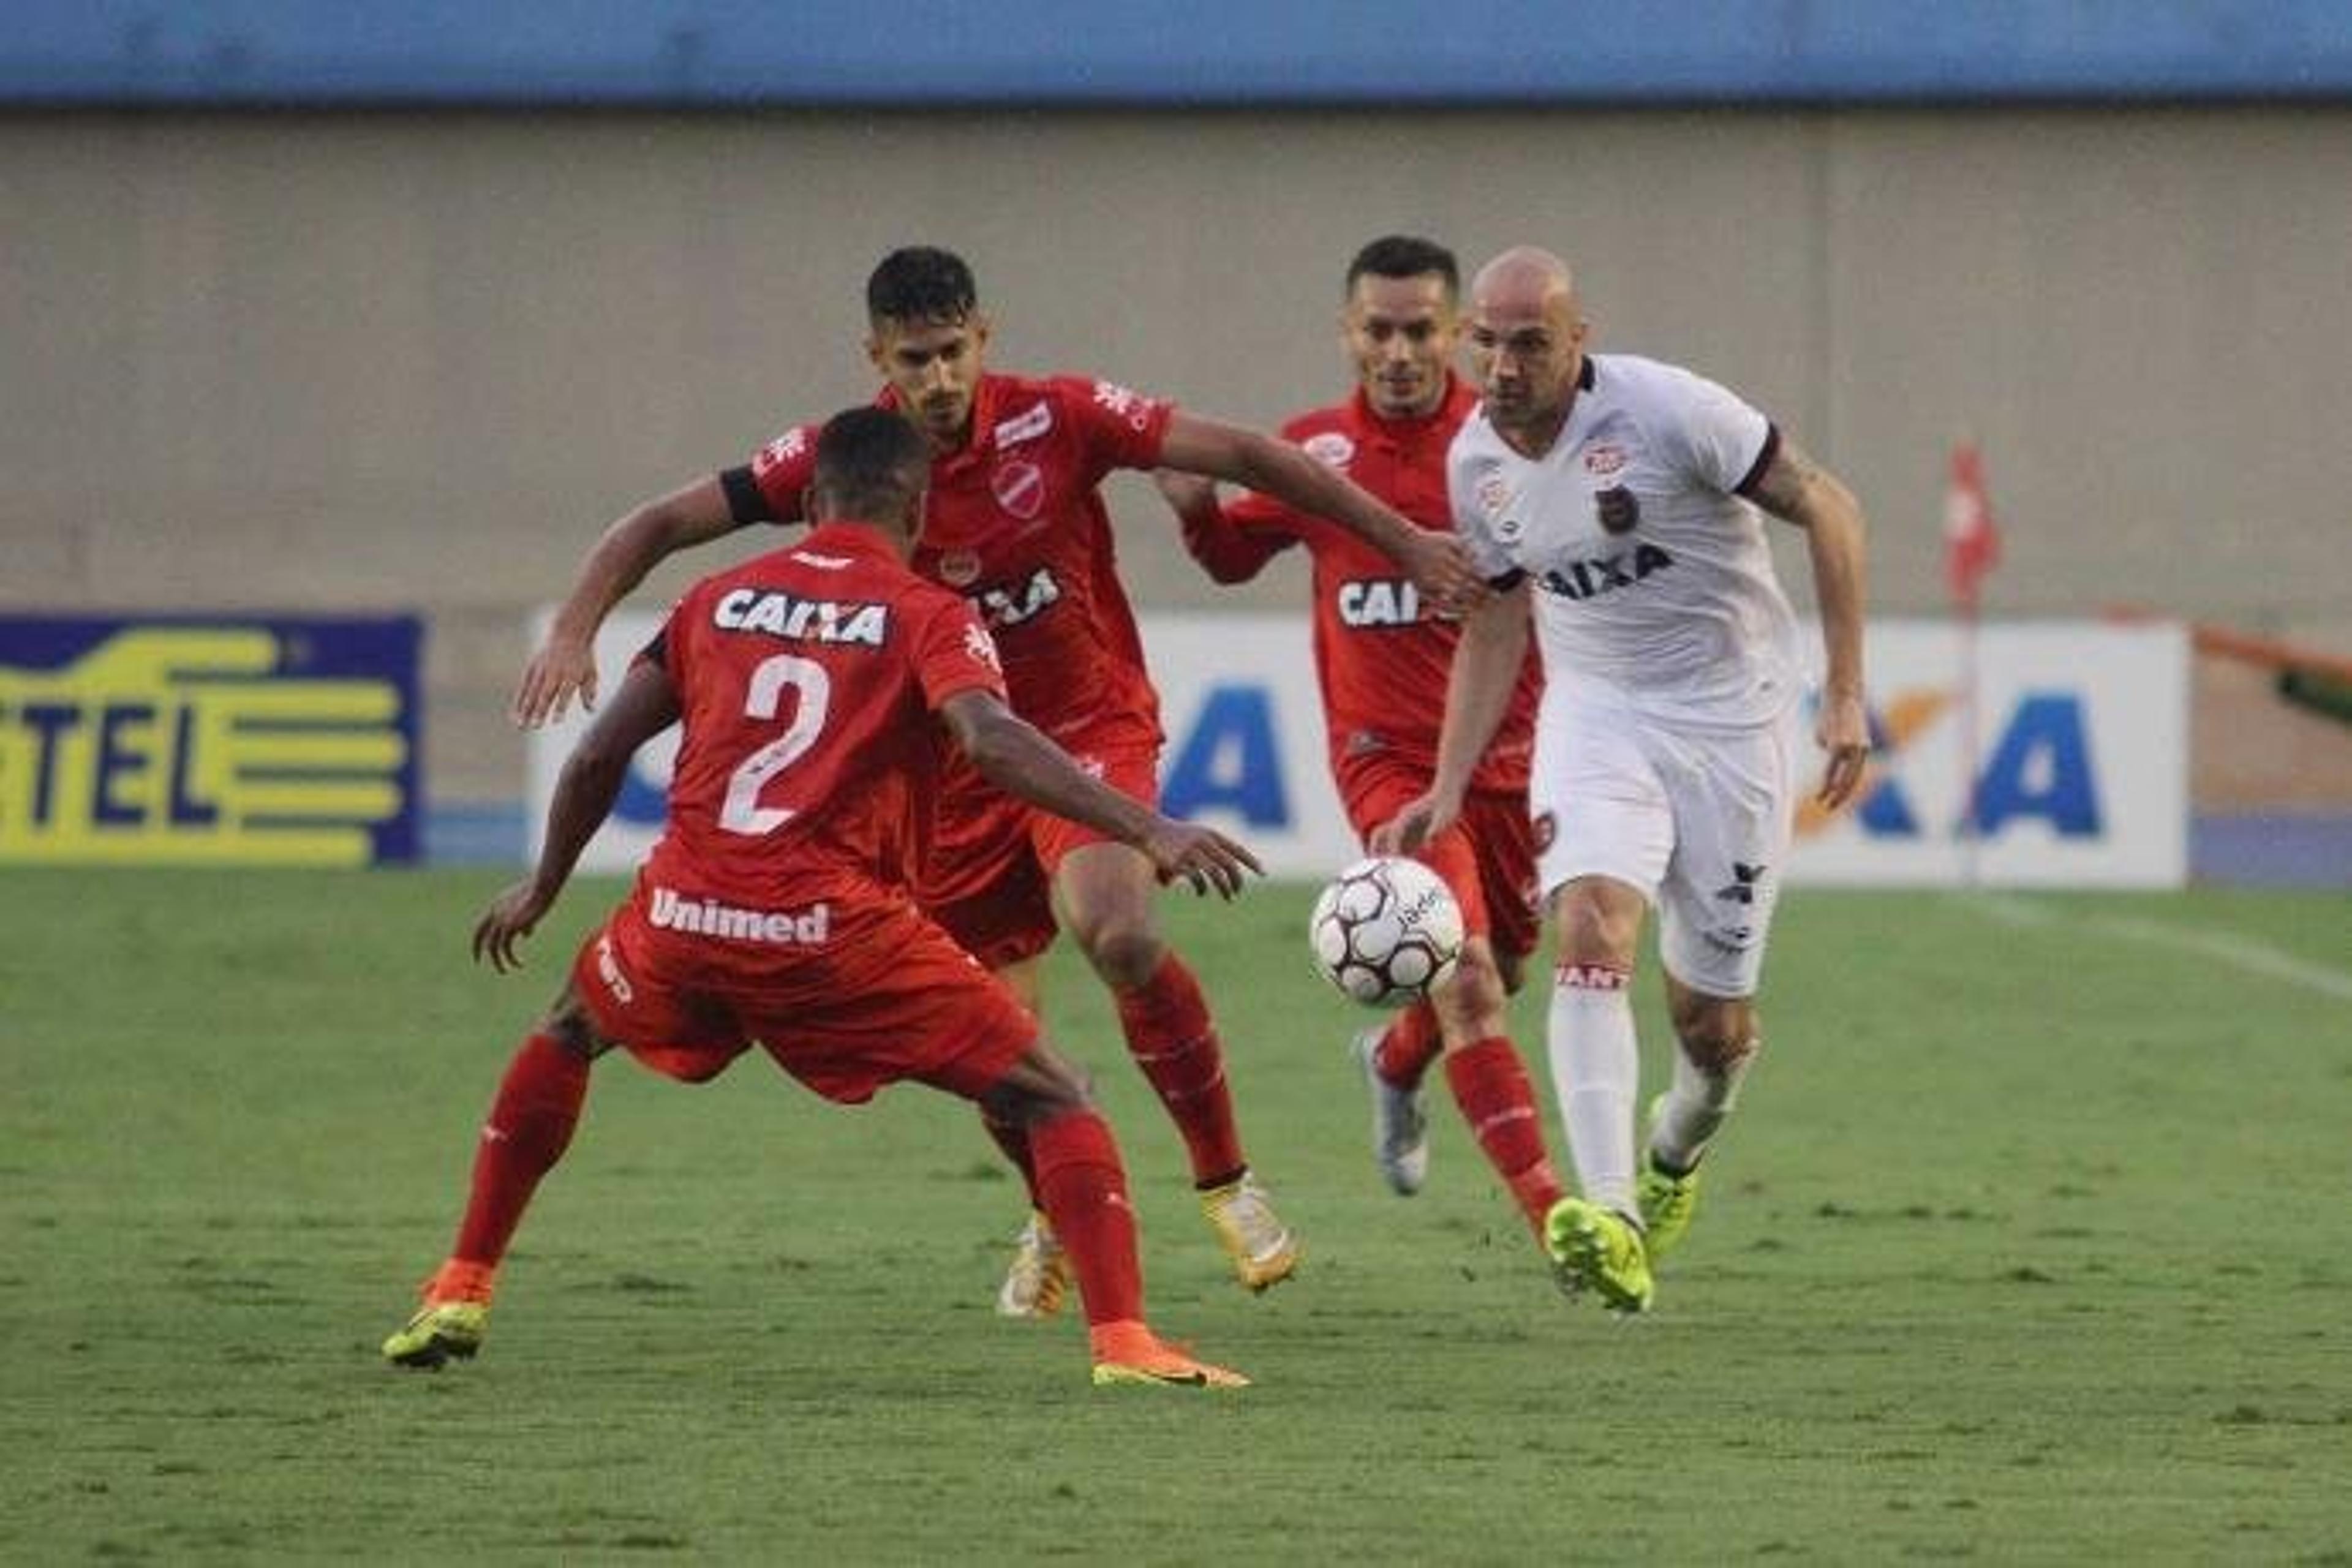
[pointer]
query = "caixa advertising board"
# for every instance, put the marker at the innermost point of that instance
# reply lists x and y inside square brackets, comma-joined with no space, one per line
[209,739]
[2050,754]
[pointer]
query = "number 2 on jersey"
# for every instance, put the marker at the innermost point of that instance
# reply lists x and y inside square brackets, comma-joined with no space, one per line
[812,688]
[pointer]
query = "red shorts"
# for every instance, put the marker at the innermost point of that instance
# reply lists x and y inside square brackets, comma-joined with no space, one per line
[886,996]
[1488,858]
[993,856]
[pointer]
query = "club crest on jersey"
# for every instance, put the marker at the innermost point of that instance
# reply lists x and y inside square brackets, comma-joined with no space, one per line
[1494,493]
[1599,574]
[1018,488]
[1024,426]
[1605,459]
[959,568]
[782,615]
[1330,447]
[1378,602]
[1616,510]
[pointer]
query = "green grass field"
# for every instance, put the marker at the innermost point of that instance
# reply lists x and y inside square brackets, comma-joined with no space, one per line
[2032,1243]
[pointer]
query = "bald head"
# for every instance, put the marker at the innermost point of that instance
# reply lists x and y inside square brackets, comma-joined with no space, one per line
[1527,278]
[1526,344]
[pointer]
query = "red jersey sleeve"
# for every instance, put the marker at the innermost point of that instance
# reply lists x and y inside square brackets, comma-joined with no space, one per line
[1115,427]
[782,470]
[1252,529]
[1235,545]
[952,652]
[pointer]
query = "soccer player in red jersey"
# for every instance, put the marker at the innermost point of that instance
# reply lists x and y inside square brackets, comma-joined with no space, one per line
[1017,525]
[1381,656]
[816,686]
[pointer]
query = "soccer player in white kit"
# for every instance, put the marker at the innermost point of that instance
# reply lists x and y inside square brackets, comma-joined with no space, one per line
[1613,500]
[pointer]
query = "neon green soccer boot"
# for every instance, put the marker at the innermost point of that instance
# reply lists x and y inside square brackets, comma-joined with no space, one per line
[1667,1202]
[1597,1249]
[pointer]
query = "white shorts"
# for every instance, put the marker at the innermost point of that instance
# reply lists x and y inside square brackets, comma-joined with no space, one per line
[1699,820]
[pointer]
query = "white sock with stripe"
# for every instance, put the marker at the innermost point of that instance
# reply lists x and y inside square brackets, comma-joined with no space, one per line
[1596,1068]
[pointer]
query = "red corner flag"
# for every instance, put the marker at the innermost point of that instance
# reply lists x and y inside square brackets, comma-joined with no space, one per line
[1971,543]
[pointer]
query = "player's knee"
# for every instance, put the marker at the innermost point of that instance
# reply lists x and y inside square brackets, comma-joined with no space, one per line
[1074,1085]
[1043,1085]
[1716,1034]
[1124,955]
[1055,1097]
[568,1024]
[1469,1005]
[1594,931]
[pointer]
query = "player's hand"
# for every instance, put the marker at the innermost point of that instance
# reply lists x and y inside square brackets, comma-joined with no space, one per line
[1439,565]
[562,668]
[1843,731]
[511,917]
[1188,495]
[1200,855]
[1416,824]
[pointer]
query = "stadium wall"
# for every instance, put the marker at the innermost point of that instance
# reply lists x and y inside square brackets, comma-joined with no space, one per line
[395,361]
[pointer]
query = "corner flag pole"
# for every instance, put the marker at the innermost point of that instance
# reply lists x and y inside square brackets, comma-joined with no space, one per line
[1971,679]
[1971,549]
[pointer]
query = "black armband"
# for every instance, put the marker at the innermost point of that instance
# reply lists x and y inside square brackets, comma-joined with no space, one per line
[746,501]
[1755,475]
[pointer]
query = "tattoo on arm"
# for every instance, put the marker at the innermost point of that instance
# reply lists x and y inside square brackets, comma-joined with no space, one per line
[1787,482]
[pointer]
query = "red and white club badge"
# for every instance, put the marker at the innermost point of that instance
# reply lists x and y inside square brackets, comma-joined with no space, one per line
[1019,488]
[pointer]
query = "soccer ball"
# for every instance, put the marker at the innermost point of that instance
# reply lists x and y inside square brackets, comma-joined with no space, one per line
[1385,930]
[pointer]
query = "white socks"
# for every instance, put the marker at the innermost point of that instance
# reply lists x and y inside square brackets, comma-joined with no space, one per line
[1596,1068]
[1696,1107]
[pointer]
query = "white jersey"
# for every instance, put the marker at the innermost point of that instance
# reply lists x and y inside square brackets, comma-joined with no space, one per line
[1650,576]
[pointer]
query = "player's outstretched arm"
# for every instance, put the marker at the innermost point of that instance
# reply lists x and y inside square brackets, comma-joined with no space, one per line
[1478,689]
[1226,551]
[1796,490]
[1016,756]
[646,705]
[1437,562]
[564,665]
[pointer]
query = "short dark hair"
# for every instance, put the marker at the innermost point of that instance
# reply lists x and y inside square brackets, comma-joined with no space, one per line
[920,283]
[869,464]
[1406,256]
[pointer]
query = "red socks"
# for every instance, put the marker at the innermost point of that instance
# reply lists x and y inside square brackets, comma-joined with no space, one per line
[1491,1088]
[1410,1044]
[1082,1188]
[1171,1037]
[530,1125]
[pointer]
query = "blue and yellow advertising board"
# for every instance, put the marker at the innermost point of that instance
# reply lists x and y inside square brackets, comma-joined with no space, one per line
[211,740]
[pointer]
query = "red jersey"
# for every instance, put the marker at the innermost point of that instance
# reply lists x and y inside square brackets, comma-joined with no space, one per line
[1015,522]
[808,679]
[1380,657]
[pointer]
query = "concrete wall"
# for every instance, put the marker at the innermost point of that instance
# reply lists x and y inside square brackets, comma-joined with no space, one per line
[392,360]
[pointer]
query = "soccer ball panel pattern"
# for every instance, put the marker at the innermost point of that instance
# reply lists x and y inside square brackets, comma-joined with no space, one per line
[1384,930]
